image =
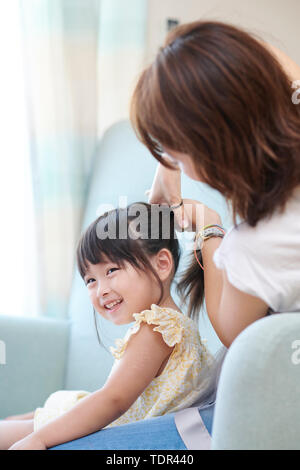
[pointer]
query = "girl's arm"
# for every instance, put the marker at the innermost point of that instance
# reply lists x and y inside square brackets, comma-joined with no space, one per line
[145,353]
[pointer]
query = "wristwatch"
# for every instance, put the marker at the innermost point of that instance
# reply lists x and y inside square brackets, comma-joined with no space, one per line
[209,232]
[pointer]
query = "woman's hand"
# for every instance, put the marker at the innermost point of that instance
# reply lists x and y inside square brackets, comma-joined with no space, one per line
[30,442]
[198,215]
[166,189]
[166,186]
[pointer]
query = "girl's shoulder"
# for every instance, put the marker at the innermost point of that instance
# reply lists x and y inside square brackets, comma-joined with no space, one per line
[169,322]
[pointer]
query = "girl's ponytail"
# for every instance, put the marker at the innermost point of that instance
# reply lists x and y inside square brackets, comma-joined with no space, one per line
[191,286]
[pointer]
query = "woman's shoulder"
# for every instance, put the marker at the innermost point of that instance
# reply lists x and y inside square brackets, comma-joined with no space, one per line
[264,260]
[280,230]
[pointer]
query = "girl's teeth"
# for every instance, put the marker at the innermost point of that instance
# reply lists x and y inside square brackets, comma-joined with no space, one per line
[113,304]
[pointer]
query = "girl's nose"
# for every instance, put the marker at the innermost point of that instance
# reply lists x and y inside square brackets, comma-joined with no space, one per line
[102,289]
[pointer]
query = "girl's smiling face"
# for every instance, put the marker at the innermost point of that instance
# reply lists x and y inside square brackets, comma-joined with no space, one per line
[108,282]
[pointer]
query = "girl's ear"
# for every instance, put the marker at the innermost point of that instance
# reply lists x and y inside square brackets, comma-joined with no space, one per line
[163,263]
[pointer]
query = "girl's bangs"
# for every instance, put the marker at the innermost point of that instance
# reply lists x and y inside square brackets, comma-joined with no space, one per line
[94,250]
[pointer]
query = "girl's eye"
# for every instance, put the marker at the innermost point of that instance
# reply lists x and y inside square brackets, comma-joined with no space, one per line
[91,279]
[111,269]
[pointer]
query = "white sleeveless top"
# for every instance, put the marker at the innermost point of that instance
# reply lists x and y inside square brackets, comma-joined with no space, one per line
[264,261]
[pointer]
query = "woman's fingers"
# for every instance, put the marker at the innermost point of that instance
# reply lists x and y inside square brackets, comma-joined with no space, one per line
[151,198]
[182,221]
[166,186]
[191,215]
[147,193]
[154,198]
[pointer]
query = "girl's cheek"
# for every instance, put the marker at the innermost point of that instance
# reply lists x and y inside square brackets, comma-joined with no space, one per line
[92,296]
[116,282]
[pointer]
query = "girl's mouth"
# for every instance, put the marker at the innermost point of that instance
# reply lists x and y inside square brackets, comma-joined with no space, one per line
[115,307]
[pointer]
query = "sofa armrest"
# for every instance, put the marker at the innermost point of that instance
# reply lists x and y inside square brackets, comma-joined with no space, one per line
[32,361]
[257,405]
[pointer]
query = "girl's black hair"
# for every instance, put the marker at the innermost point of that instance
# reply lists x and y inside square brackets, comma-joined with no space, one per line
[191,286]
[132,234]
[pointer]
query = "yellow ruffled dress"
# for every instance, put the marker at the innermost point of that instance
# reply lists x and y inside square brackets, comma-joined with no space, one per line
[177,387]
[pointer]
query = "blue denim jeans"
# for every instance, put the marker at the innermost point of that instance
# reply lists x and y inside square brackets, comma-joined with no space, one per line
[158,433]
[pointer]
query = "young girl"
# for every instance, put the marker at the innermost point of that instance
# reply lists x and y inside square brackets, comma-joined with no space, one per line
[160,365]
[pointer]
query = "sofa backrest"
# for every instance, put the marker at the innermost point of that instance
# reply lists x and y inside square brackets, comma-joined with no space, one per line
[122,167]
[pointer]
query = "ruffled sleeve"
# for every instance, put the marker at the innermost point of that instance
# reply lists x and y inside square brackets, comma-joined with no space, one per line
[167,321]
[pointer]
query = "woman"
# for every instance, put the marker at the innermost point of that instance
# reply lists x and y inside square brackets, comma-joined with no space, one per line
[218,103]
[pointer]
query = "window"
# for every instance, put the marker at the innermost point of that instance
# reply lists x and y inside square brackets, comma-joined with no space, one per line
[15,186]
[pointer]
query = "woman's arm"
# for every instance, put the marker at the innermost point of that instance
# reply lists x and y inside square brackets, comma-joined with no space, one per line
[145,353]
[229,309]
[237,310]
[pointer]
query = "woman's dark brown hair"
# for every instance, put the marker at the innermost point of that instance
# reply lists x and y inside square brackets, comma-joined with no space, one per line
[216,93]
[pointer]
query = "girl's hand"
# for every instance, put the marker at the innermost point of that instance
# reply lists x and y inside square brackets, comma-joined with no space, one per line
[30,442]
[24,416]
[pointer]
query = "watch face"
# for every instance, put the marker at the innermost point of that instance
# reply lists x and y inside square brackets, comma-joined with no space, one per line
[199,240]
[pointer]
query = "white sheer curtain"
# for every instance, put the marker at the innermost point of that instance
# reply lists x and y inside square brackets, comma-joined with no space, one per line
[121,56]
[78,61]
[17,262]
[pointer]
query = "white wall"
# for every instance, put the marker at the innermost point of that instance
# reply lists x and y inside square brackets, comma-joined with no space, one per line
[276,21]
